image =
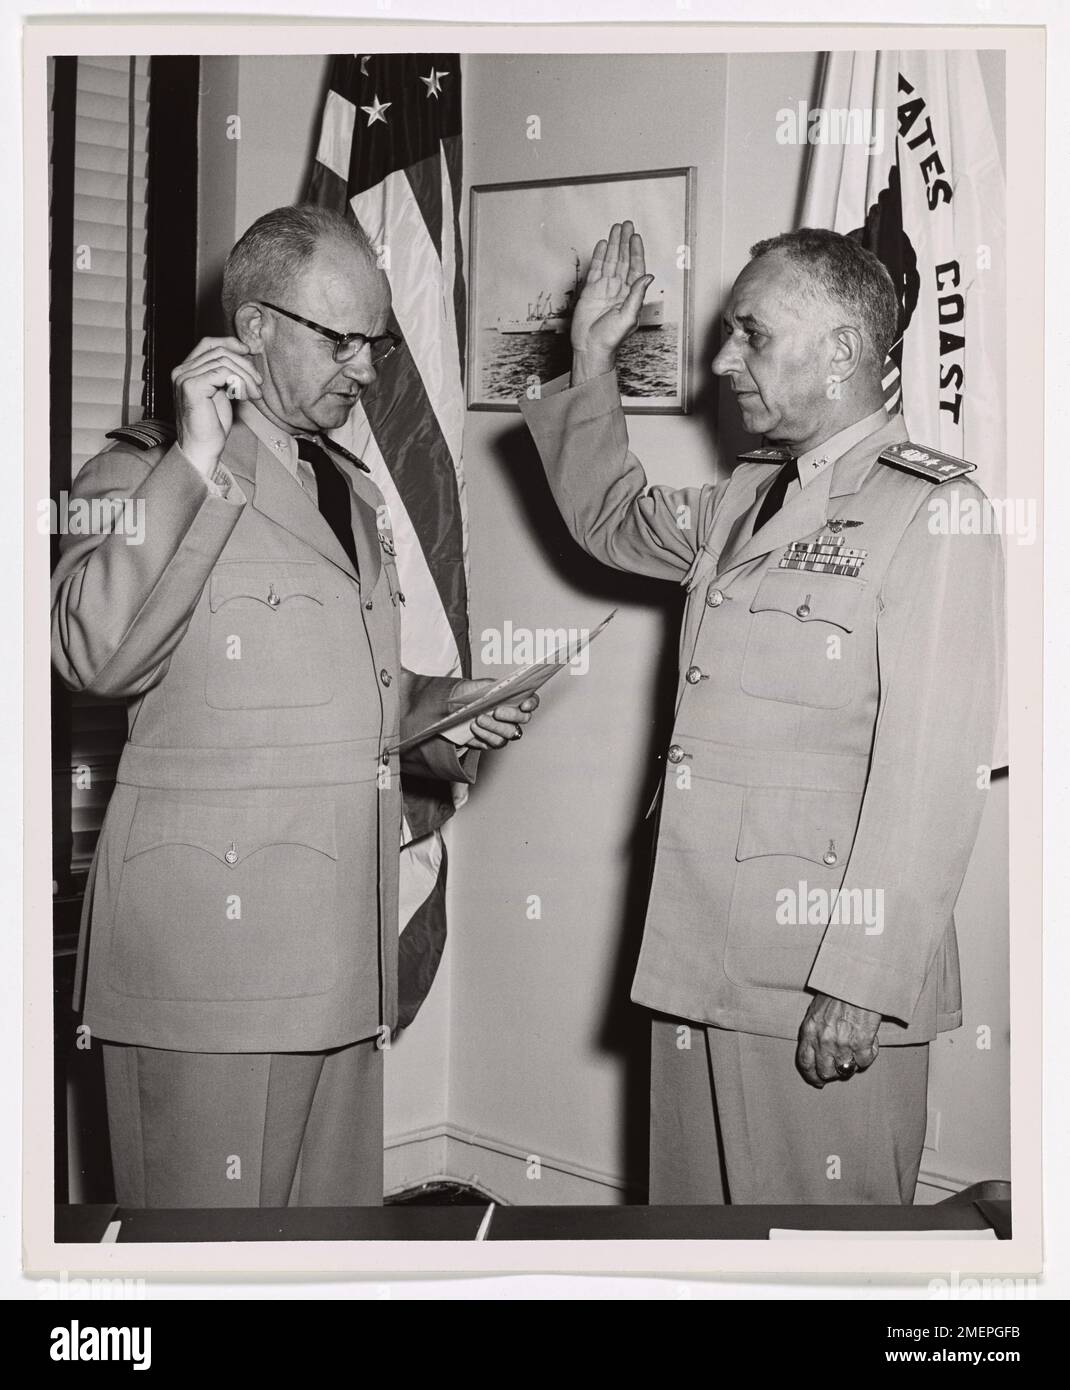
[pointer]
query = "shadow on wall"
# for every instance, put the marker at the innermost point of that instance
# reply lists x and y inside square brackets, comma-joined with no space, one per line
[210,317]
[624,1028]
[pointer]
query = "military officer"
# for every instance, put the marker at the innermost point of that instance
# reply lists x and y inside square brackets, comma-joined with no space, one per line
[239,940]
[840,669]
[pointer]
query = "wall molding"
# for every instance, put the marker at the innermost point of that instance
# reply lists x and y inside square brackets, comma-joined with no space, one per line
[438,1152]
[501,1169]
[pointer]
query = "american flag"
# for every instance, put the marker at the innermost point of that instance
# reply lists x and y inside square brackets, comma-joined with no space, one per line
[389,155]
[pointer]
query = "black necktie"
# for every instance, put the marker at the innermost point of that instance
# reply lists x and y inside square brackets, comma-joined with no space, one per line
[332,495]
[774,498]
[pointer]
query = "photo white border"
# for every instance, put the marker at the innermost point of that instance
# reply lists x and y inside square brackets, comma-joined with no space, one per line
[1025,312]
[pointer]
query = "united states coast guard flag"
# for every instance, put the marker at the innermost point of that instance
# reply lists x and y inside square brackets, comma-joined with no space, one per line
[389,155]
[903,154]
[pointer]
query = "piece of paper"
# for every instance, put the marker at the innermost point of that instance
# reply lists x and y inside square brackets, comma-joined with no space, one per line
[509,690]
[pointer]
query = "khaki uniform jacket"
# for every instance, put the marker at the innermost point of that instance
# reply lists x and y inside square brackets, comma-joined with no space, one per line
[829,728]
[244,892]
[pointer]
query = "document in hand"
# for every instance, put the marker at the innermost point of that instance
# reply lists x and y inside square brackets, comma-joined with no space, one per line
[510,690]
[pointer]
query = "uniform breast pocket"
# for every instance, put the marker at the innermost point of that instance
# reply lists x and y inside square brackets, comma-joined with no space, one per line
[226,903]
[801,644]
[267,636]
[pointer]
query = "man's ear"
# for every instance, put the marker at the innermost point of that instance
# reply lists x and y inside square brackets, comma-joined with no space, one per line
[251,325]
[847,348]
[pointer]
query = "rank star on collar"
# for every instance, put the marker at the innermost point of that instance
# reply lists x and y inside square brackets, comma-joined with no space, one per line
[811,467]
[432,82]
[375,111]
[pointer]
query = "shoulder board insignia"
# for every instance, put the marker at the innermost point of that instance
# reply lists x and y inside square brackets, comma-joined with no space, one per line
[768,455]
[146,434]
[926,463]
[338,449]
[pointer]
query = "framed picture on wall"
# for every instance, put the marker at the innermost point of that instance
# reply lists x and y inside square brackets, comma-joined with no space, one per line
[531,245]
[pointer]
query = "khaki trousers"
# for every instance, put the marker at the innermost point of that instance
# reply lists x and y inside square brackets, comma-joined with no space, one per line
[246,1129]
[731,1120]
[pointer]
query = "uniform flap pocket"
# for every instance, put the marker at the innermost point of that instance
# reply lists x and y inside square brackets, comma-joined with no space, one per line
[231,833]
[808,596]
[272,582]
[813,825]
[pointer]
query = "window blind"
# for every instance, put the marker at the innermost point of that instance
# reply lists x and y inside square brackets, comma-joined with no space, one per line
[110,221]
[107,327]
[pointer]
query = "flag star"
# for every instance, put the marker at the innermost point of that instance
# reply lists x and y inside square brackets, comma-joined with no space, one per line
[375,111]
[432,83]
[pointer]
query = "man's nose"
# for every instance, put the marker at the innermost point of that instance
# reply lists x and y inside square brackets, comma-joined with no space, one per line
[727,360]
[361,368]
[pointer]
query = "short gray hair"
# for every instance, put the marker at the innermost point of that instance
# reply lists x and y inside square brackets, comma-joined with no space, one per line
[848,275]
[278,246]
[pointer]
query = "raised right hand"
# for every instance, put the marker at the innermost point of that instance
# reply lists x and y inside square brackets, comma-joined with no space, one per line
[217,371]
[607,310]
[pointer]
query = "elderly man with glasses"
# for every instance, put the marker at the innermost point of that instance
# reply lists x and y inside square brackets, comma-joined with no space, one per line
[239,942]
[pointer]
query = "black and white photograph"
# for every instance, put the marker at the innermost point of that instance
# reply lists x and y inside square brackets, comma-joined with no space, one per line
[528,272]
[520,614]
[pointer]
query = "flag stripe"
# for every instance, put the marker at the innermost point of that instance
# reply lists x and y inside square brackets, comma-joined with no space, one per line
[452,276]
[392,218]
[452,157]
[430,648]
[327,189]
[420,464]
[336,135]
[389,155]
[425,180]
[423,938]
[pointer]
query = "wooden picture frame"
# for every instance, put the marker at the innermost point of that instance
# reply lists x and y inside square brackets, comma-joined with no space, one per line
[530,245]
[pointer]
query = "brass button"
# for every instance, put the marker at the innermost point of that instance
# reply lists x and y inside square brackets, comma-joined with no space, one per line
[273,598]
[676,753]
[715,598]
[368,605]
[384,676]
[829,857]
[803,610]
[694,675]
[231,855]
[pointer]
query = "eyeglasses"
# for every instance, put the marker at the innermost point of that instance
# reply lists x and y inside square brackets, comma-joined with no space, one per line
[346,345]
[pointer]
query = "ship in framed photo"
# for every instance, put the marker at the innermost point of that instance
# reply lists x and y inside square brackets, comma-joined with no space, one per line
[530,251]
